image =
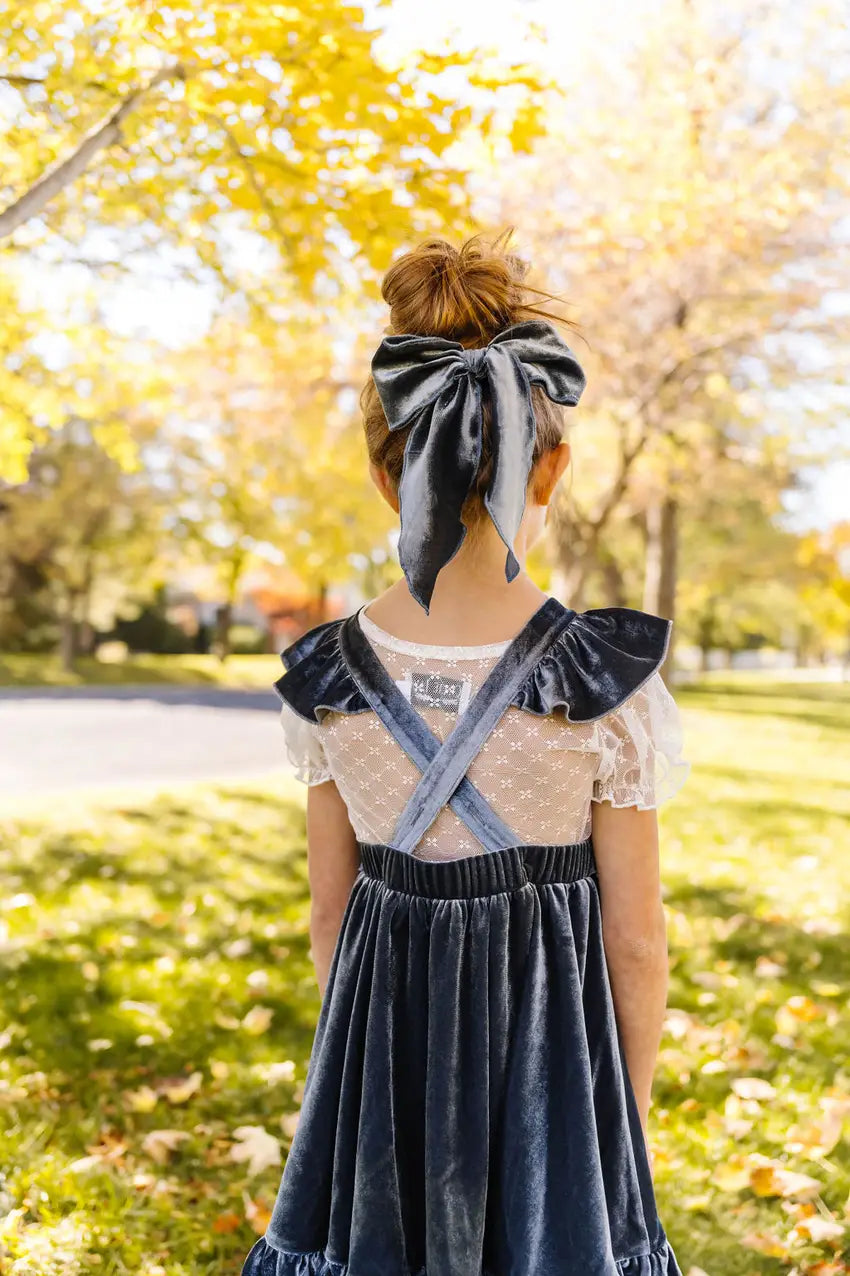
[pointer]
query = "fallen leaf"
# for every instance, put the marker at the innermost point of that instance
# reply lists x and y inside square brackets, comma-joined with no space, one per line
[256,1146]
[181,1089]
[257,1214]
[226,1223]
[289,1123]
[159,1144]
[733,1175]
[816,1228]
[776,1180]
[142,1100]
[146,1008]
[753,1088]
[764,1243]
[766,968]
[257,1020]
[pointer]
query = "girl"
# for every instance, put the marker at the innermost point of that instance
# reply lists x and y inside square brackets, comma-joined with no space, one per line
[484,765]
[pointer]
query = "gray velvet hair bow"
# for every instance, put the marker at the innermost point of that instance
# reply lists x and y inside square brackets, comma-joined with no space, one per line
[435,386]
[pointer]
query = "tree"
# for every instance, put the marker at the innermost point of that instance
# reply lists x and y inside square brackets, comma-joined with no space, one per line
[695,208]
[264,143]
[266,459]
[78,537]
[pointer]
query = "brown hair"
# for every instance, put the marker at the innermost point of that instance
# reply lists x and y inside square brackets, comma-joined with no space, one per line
[467,294]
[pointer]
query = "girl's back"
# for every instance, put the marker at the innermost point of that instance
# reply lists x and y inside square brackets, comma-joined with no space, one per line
[477,1093]
[539,768]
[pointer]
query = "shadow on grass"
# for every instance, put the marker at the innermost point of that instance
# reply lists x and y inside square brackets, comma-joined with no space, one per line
[163,937]
[823,705]
[760,930]
[151,937]
[825,799]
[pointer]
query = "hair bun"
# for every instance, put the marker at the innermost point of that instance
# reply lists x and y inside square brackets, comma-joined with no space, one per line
[468,294]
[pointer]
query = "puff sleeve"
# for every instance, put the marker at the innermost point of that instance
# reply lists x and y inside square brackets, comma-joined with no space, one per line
[640,749]
[304,747]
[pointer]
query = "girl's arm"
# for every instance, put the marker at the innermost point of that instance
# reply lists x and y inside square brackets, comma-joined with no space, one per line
[625,842]
[332,862]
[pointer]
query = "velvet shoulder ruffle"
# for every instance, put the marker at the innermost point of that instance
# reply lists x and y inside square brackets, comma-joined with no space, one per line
[594,665]
[317,679]
[591,668]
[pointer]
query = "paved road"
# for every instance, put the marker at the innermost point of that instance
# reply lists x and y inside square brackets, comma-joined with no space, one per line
[62,739]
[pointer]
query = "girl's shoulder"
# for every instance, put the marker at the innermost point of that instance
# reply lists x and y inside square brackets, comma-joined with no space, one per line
[593,666]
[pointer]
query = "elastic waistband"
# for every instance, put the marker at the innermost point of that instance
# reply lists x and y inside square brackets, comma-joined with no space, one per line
[485,874]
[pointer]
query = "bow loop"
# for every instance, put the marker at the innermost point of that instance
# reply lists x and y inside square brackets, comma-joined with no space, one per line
[436,387]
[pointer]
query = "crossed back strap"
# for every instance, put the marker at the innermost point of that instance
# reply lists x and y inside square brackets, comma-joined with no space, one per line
[444,764]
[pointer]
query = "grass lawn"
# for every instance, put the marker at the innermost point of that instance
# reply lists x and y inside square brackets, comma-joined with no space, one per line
[159,1003]
[46,671]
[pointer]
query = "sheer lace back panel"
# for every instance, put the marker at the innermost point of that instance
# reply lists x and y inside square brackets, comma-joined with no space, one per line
[539,773]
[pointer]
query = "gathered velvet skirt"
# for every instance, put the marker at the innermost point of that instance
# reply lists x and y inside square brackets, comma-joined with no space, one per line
[467,1109]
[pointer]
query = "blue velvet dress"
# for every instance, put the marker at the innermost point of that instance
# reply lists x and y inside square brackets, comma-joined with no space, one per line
[467,1109]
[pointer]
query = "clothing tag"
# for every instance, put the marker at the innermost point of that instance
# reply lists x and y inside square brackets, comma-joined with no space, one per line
[436,691]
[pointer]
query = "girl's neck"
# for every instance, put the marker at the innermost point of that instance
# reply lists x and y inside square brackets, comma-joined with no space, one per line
[472,604]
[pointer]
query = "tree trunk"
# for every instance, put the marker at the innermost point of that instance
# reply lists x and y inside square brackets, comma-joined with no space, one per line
[86,638]
[707,635]
[659,594]
[615,586]
[223,621]
[68,642]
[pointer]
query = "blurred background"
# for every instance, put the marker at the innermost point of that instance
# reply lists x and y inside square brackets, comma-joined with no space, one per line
[197,203]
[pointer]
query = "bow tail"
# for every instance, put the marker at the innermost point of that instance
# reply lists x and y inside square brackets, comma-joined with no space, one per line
[441,460]
[512,439]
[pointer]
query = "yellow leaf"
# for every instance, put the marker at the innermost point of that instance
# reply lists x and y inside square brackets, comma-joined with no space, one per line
[180,1090]
[733,1175]
[257,1214]
[816,1228]
[764,1243]
[775,1180]
[142,1100]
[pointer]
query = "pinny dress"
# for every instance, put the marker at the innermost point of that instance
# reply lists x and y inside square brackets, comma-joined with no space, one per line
[467,1110]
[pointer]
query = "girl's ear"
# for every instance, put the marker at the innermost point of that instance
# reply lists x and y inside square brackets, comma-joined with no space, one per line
[385,485]
[548,471]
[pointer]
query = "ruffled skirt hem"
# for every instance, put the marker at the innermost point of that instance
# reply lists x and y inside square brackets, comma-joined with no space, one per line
[265,1260]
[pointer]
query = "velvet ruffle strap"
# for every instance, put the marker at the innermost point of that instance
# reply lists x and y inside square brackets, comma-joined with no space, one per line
[591,668]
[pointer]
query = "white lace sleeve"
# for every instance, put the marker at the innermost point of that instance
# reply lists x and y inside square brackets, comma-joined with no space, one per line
[304,747]
[640,745]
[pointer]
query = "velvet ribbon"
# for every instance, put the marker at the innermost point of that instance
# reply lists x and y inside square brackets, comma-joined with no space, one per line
[436,388]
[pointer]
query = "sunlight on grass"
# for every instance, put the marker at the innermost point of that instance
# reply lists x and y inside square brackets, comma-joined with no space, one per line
[46,671]
[159,1003]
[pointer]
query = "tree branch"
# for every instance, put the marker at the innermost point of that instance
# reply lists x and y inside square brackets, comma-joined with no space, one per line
[65,171]
[21,81]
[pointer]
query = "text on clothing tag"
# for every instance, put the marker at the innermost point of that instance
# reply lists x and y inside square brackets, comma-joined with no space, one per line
[436,691]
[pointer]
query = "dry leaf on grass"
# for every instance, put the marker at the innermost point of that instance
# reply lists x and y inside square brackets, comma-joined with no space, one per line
[181,1089]
[256,1146]
[226,1223]
[816,1228]
[159,1144]
[257,1214]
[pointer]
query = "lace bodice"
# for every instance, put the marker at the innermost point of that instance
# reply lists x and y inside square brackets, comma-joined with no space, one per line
[539,772]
